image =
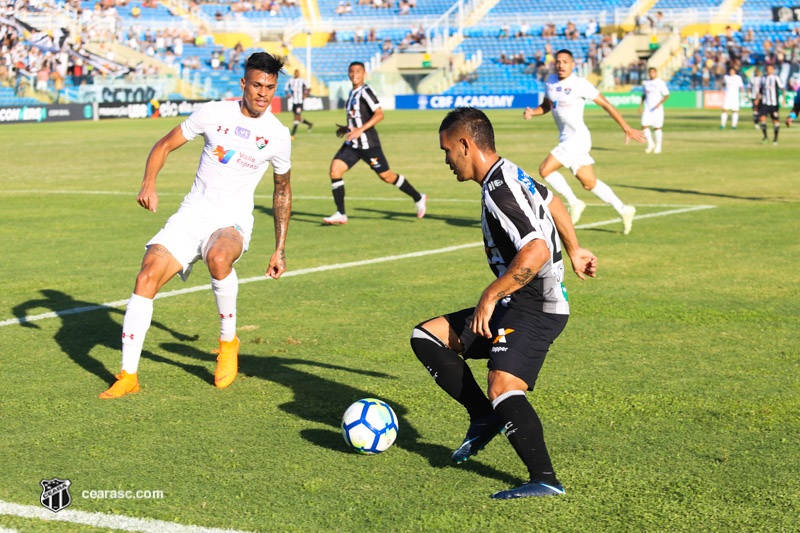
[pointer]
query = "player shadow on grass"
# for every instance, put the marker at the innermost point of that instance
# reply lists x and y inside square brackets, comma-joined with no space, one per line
[453,221]
[322,400]
[700,193]
[298,216]
[84,326]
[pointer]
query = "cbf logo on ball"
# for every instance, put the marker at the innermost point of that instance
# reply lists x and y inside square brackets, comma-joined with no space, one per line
[55,494]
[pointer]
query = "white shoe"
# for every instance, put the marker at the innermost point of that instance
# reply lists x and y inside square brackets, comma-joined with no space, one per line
[336,218]
[650,148]
[421,205]
[657,150]
[575,211]
[627,218]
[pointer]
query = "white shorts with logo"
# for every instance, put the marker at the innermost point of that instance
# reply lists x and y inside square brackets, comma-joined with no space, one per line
[186,235]
[653,118]
[731,103]
[574,153]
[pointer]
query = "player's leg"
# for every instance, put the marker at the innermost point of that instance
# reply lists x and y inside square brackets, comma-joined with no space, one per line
[295,123]
[659,136]
[514,369]
[723,119]
[158,267]
[548,170]
[344,159]
[586,176]
[224,248]
[734,117]
[437,344]
[776,125]
[649,136]
[376,160]
[762,122]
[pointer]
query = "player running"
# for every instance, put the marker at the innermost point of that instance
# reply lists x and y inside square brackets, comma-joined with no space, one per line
[652,109]
[362,142]
[518,315]
[734,90]
[566,96]
[297,88]
[215,219]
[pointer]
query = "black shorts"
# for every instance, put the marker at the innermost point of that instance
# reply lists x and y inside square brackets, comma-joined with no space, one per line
[297,108]
[520,345]
[770,111]
[372,156]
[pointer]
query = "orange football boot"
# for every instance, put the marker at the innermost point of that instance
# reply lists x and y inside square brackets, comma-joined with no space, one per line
[125,384]
[227,362]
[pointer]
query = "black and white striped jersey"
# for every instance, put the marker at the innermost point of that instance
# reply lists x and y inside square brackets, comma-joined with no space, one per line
[515,213]
[770,90]
[361,105]
[296,90]
[755,87]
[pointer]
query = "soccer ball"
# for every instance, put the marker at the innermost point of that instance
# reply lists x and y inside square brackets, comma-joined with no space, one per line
[369,426]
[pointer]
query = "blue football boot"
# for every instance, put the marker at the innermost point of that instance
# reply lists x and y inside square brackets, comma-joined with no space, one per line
[480,432]
[531,488]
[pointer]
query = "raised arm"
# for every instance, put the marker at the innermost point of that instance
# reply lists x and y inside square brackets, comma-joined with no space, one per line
[155,162]
[541,110]
[630,133]
[584,262]
[281,210]
[528,261]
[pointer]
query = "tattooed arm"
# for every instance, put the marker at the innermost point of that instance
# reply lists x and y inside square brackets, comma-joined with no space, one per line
[281,209]
[528,261]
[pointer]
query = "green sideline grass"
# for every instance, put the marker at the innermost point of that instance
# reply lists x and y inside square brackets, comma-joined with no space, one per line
[671,402]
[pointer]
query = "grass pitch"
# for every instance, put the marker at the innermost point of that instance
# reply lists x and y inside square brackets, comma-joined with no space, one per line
[671,401]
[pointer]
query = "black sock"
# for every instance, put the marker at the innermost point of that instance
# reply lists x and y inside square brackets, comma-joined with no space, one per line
[338,194]
[450,372]
[775,128]
[525,433]
[307,123]
[294,129]
[764,129]
[403,184]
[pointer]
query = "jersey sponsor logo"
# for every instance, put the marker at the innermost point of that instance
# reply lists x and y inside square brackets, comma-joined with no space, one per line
[222,130]
[526,180]
[494,184]
[373,162]
[558,89]
[501,335]
[224,155]
[261,142]
[242,132]
[496,349]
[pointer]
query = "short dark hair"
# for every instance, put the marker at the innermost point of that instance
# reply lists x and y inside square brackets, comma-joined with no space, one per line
[473,121]
[354,63]
[265,63]
[564,51]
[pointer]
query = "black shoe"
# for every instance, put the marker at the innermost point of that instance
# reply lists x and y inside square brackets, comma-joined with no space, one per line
[480,432]
[532,488]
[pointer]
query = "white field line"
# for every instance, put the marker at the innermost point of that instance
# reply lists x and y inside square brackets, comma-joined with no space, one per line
[323,268]
[105,521]
[304,197]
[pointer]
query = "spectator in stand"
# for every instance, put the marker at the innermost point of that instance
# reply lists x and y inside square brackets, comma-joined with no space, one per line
[571,32]
[340,9]
[372,36]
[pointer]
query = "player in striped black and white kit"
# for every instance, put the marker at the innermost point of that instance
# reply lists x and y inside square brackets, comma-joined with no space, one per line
[771,93]
[297,88]
[362,143]
[755,93]
[518,315]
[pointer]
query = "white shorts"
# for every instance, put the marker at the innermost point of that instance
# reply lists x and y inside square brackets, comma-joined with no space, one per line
[653,117]
[732,103]
[186,236]
[573,154]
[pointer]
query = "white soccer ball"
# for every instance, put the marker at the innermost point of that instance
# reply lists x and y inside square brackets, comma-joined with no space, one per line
[369,426]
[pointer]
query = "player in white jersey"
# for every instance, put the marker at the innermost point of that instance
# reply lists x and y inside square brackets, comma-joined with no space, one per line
[566,96]
[652,109]
[734,89]
[215,220]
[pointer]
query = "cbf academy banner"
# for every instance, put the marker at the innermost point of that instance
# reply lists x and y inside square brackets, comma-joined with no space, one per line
[450,101]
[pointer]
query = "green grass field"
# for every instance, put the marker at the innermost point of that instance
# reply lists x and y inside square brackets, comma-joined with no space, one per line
[671,402]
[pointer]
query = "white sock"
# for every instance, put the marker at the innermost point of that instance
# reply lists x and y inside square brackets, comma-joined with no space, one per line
[604,192]
[734,118]
[659,136]
[559,184]
[649,136]
[138,315]
[225,291]
[724,118]
[400,181]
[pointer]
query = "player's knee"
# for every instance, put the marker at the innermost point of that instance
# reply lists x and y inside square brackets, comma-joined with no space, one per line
[219,264]
[147,283]
[589,183]
[542,171]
